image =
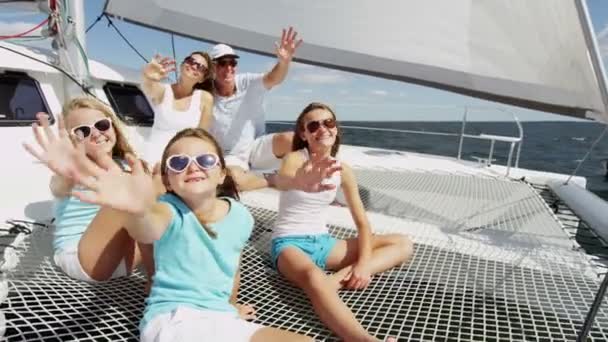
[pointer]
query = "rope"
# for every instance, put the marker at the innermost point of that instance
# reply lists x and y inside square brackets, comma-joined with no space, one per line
[587,154]
[83,55]
[174,58]
[110,23]
[377,129]
[20,35]
[82,86]
[94,23]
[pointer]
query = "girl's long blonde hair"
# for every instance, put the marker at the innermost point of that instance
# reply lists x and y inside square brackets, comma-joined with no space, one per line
[122,146]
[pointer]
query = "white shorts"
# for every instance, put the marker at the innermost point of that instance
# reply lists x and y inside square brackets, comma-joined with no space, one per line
[259,156]
[186,324]
[69,263]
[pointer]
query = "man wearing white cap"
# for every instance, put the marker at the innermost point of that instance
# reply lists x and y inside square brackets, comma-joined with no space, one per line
[238,113]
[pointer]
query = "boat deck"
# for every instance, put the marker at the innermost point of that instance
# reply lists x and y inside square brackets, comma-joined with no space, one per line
[492,262]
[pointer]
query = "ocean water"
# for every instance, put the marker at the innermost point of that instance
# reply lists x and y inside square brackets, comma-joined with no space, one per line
[547,146]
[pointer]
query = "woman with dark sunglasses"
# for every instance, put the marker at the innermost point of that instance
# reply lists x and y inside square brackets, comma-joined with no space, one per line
[238,113]
[90,242]
[302,249]
[184,104]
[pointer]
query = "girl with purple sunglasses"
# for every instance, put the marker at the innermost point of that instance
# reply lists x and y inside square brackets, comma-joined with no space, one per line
[198,229]
[302,249]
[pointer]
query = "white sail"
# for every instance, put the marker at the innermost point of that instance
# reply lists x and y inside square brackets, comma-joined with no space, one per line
[527,53]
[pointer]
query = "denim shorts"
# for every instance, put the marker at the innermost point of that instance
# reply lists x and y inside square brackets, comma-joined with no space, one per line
[317,247]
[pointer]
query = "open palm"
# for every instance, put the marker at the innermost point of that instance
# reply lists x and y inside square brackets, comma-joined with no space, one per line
[310,176]
[110,186]
[58,151]
[159,68]
[286,49]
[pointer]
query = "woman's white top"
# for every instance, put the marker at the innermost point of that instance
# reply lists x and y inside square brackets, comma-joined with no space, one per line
[168,121]
[305,213]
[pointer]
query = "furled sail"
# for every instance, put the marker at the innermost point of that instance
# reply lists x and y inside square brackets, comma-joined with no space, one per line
[526,53]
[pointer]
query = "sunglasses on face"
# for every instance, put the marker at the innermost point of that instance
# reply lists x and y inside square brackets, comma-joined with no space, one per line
[193,63]
[178,163]
[225,62]
[101,125]
[313,126]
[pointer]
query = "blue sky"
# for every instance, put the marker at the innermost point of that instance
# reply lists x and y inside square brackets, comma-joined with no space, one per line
[355,97]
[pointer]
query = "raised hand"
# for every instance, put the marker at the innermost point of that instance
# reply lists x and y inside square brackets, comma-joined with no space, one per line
[59,153]
[286,49]
[310,176]
[108,185]
[159,68]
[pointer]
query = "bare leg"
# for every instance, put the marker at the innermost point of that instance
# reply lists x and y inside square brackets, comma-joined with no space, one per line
[387,251]
[268,334]
[246,180]
[105,244]
[281,143]
[147,260]
[299,269]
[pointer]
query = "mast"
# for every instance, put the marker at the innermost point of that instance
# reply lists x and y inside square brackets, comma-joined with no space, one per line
[72,45]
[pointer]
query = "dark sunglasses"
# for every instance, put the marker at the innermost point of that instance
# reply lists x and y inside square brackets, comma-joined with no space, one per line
[225,62]
[193,63]
[313,126]
[101,125]
[178,163]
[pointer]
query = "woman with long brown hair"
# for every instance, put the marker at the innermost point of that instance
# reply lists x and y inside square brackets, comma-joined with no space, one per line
[302,249]
[186,103]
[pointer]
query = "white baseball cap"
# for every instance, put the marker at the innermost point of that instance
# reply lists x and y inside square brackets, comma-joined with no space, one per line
[222,50]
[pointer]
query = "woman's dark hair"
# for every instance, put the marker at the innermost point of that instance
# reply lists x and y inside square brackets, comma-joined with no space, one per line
[227,189]
[207,83]
[299,143]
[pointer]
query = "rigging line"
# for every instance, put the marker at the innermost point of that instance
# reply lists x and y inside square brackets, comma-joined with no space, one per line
[587,154]
[174,58]
[72,78]
[377,129]
[94,23]
[22,34]
[110,23]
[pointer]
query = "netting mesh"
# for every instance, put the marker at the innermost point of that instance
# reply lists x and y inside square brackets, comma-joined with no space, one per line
[443,294]
[491,266]
[44,304]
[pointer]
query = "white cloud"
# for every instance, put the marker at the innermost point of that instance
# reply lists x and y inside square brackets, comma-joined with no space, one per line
[320,77]
[285,99]
[305,91]
[379,92]
[16,27]
[311,74]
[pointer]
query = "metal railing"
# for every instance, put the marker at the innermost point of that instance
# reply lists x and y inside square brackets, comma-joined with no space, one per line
[515,142]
